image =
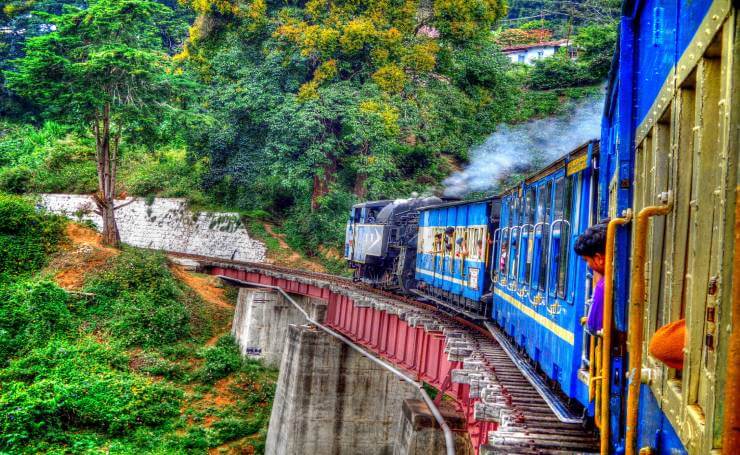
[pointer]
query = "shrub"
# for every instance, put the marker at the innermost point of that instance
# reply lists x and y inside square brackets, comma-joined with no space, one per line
[559,72]
[15,180]
[79,387]
[26,235]
[135,270]
[31,313]
[221,360]
[231,428]
[140,302]
[147,319]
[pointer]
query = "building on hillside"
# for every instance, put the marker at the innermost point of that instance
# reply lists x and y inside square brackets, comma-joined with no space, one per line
[529,53]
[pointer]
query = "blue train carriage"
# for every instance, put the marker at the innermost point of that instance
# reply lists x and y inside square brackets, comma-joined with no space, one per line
[452,254]
[670,151]
[540,287]
[380,242]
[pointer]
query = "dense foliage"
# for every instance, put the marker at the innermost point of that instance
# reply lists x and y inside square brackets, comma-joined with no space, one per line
[317,106]
[26,237]
[113,368]
[103,70]
[307,109]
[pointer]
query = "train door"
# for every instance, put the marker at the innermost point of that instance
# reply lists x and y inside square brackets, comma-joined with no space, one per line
[684,160]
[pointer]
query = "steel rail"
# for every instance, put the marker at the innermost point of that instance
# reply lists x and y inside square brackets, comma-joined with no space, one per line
[449,438]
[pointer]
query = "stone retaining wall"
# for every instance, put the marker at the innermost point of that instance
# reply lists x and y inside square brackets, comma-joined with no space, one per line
[167,224]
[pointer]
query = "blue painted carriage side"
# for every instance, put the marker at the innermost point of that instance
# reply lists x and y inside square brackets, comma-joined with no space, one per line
[664,29]
[655,52]
[690,16]
[654,429]
[447,271]
[550,333]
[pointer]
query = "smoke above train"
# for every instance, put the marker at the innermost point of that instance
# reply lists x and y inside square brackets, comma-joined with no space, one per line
[522,147]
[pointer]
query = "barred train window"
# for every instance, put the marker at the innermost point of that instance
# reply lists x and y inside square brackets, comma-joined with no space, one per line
[543,215]
[529,221]
[515,237]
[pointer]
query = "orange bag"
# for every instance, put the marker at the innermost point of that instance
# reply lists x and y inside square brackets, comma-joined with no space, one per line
[668,342]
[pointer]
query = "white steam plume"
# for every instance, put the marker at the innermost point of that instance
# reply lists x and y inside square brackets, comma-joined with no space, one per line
[519,147]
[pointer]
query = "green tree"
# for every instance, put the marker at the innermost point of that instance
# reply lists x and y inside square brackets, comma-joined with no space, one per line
[318,104]
[103,70]
[597,43]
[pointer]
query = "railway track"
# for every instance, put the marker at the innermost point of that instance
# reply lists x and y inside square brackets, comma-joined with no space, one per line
[528,422]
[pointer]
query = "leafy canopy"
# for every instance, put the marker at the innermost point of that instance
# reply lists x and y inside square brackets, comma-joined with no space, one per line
[317,104]
[107,54]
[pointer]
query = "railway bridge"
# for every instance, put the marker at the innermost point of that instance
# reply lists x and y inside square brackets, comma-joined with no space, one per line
[499,404]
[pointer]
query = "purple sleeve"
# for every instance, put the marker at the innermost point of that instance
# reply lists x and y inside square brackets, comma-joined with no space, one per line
[596,313]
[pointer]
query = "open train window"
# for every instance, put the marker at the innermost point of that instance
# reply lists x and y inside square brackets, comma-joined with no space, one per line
[560,242]
[503,255]
[565,236]
[560,232]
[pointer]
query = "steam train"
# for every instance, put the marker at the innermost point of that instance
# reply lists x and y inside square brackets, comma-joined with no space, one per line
[665,173]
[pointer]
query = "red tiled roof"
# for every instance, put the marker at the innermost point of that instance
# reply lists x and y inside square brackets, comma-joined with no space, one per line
[520,47]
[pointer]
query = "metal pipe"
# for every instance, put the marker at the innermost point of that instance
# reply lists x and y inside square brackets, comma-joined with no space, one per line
[606,326]
[731,425]
[449,438]
[637,306]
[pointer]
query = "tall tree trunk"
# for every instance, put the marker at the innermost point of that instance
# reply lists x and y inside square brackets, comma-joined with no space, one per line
[360,187]
[106,149]
[321,182]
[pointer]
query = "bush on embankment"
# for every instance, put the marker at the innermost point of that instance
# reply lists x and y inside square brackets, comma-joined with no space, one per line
[27,236]
[119,367]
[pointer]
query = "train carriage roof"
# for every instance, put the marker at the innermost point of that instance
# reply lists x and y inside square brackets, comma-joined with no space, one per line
[554,166]
[462,202]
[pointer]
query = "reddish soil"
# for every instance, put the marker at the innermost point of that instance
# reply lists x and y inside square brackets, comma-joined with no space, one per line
[287,256]
[207,287]
[83,253]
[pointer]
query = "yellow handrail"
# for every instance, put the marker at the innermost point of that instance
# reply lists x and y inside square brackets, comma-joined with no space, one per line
[606,342]
[594,381]
[637,301]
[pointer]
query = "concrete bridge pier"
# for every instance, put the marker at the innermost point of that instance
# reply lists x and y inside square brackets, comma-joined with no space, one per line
[262,318]
[332,400]
[419,434]
[329,398]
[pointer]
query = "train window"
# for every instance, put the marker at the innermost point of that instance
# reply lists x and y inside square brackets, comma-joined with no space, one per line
[504,251]
[544,209]
[564,263]
[559,243]
[514,240]
[529,209]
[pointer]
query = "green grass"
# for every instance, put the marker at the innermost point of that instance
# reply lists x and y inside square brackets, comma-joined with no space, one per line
[124,371]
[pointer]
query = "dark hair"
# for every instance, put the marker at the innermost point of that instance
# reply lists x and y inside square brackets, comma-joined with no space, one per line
[592,241]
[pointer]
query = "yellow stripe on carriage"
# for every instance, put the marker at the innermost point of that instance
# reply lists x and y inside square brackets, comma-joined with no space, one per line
[560,332]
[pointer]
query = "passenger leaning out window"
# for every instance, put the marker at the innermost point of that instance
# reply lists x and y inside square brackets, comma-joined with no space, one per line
[591,246]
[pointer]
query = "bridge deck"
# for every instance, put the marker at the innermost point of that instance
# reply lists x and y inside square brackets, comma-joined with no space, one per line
[505,411]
